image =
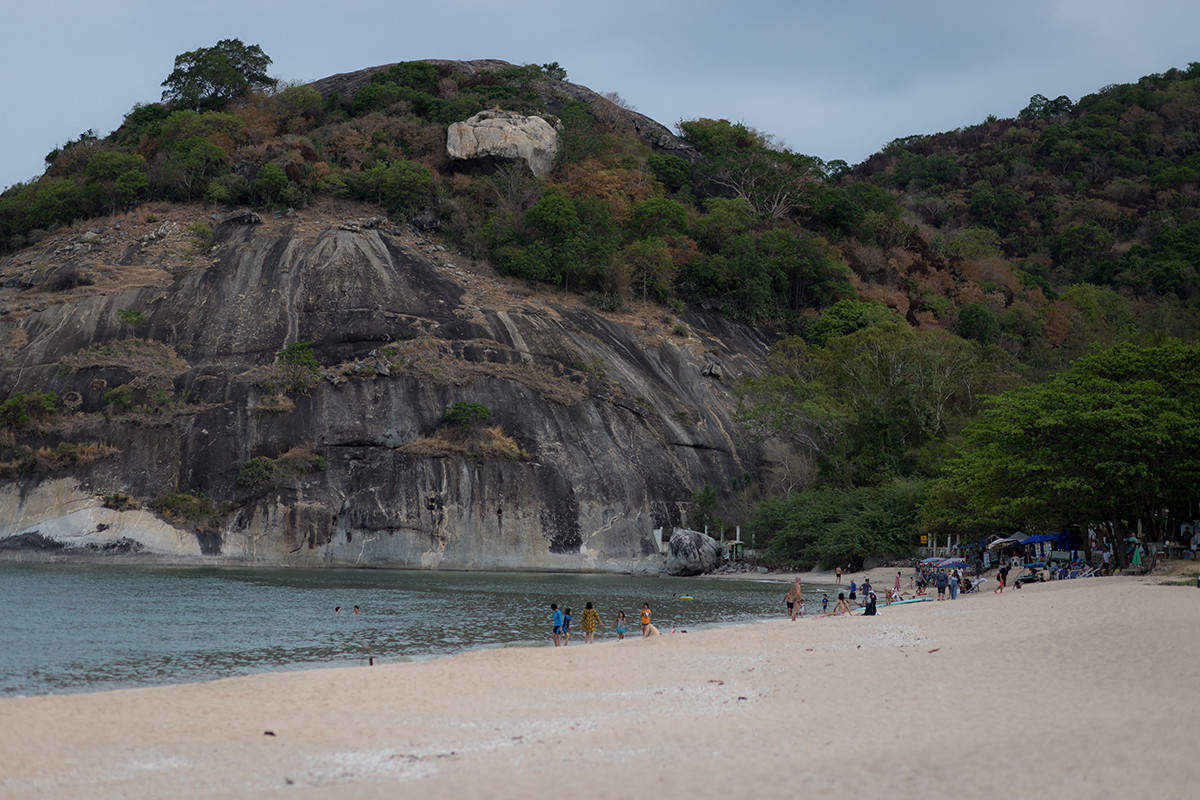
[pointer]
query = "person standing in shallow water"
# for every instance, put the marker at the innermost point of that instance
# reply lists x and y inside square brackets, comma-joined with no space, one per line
[590,620]
[839,575]
[792,599]
[619,624]
[566,627]
[558,623]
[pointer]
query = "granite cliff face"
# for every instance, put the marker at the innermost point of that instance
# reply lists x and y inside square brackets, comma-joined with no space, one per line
[178,435]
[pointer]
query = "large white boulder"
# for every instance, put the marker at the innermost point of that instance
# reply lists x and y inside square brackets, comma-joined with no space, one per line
[505,134]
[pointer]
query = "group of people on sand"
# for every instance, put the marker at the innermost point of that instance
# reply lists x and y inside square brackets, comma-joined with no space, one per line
[844,605]
[590,620]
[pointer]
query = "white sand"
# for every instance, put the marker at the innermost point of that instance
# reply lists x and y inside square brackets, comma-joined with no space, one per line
[1080,689]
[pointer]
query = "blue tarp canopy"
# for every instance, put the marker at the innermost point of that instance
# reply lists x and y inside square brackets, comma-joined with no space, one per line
[1040,537]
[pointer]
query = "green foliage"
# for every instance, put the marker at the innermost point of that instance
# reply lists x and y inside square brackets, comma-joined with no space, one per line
[747,164]
[132,316]
[554,71]
[658,217]
[674,172]
[270,183]
[1041,108]
[977,321]
[1113,438]
[845,317]
[189,506]
[467,414]
[299,354]
[211,76]
[828,526]
[21,410]
[255,471]
[120,397]
[400,186]
[872,405]
[581,136]
[202,235]
[704,508]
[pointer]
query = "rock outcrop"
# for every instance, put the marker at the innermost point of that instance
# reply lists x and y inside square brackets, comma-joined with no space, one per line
[178,434]
[554,93]
[691,553]
[504,135]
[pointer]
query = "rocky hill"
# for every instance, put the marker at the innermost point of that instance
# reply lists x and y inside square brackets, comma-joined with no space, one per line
[176,432]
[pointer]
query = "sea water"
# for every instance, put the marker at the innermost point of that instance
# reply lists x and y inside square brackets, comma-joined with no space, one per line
[74,628]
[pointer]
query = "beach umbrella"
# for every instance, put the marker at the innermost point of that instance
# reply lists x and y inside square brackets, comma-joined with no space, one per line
[953,563]
[929,562]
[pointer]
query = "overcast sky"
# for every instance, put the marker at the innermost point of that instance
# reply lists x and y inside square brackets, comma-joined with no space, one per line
[834,78]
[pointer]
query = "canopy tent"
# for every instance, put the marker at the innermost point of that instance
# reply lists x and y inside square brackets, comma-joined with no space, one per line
[1004,541]
[1040,537]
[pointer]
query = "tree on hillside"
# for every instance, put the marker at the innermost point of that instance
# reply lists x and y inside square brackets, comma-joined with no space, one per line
[211,76]
[748,165]
[1114,439]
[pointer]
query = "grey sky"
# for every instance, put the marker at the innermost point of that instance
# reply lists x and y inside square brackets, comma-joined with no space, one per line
[835,79]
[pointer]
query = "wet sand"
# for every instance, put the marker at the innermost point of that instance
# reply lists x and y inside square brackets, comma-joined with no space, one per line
[1085,688]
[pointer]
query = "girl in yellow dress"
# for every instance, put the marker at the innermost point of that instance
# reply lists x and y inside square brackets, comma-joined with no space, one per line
[590,620]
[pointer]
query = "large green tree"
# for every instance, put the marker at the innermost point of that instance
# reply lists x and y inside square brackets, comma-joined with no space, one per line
[1115,439]
[211,76]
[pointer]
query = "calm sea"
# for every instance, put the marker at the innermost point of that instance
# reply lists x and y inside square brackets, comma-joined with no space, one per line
[77,628]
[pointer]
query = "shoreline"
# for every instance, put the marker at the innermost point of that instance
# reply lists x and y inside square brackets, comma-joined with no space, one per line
[958,696]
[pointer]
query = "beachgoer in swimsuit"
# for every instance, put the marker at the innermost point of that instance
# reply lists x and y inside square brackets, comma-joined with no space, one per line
[645,620]
[842,606]
[620,625]
[824,603]
[789,600]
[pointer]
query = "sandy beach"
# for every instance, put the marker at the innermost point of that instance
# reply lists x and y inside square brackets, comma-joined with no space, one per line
[1085,688]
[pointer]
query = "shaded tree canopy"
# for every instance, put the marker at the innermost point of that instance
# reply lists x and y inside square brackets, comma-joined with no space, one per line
[1116,438]
[211,76]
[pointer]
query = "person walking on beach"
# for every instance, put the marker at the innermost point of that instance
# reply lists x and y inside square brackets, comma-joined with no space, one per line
[566,633]
[591,620]
[790,601]
[853,590]
[1001,575]
[942,581]
[645,620]
[896,583]
[558,623]
[619,624]
[839,575]
[954,585]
